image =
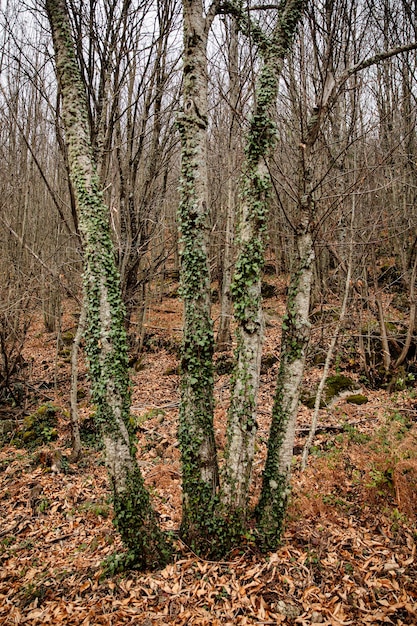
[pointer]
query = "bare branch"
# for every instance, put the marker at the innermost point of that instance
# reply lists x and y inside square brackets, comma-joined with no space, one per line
[50,271]
[42,173]
[380,56]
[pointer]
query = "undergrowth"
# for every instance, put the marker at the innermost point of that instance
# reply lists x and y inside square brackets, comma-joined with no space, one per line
[373,473]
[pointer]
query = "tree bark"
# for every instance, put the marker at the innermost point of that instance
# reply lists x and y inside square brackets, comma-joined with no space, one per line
[296,332]
[246,288]
[296,326]
[224,336]
[332,346]
[74,414]
[105,334]
[196,432]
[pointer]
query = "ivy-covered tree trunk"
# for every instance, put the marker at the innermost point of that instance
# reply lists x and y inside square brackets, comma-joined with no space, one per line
[196,432]
[295,336]
[296,327]
[246,287]
[105,334]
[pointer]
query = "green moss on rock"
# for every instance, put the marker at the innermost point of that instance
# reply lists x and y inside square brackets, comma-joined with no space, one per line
[309,401]
[40,427]
[335,385]
[68,337]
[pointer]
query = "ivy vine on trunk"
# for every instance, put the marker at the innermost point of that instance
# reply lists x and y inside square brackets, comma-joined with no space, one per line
[196,432]
[213,519]
[106,342]
[246,288]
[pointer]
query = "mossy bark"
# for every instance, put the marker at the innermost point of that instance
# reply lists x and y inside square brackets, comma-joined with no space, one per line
[196,432]
[296,328]
[105,334]
[246,288]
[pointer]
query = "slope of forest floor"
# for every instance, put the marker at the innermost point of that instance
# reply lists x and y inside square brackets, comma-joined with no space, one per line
[348,554]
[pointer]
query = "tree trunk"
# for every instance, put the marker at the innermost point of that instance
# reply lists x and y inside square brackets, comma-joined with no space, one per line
[105,334]
[196,433]
[74,414]
[224,337]
[332,345]
[246,288]
[296,332]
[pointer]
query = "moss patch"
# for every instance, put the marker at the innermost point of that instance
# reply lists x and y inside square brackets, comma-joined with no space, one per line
[68,337]
[357,398]
[335,385]
[40,427]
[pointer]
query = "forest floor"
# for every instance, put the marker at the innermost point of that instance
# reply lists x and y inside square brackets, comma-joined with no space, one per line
[348,554]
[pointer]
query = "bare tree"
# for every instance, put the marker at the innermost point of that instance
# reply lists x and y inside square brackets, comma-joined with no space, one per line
[224,337]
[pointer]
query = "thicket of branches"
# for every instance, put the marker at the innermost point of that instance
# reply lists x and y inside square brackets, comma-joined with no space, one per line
[129,54]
